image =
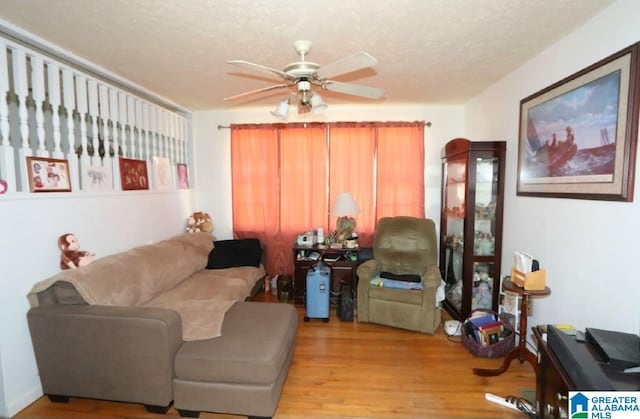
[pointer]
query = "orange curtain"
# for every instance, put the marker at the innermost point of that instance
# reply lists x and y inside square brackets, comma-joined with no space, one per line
[303,185]
[285,178]
[400,171]
[279,179]
[352,169]
[255,188]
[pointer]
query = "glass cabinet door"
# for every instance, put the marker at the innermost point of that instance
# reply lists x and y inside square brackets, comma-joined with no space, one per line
[454,212]
[485,207]
[484,240]
[471,224]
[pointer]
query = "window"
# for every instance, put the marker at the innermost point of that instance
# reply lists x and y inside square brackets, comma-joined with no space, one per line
[286,177]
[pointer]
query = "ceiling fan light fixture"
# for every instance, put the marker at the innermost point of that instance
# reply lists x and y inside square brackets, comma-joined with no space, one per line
[282,109]
[317,104]
[305,74]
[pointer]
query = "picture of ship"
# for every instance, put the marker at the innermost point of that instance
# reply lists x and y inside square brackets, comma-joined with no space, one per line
[573,135]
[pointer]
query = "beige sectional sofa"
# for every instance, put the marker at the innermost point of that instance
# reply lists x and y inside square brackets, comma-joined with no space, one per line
[154,326]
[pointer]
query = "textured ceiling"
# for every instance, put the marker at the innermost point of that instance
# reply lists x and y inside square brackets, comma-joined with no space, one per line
[428,51]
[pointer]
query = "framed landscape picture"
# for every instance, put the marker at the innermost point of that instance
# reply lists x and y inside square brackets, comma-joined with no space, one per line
[48,175]
[133,174]
[578,137]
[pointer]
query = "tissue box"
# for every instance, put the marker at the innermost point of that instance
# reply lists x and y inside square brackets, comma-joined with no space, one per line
[533,281]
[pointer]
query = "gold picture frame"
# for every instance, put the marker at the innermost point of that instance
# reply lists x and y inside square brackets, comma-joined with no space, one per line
[578,137]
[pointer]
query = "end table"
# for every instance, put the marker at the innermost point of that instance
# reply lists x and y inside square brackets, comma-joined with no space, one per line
[521,352]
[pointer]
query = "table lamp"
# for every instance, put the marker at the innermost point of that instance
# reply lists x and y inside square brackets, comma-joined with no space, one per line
[343,207]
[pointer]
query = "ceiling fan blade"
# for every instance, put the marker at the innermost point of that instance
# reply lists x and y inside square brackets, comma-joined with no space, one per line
[264,89]
[346,65]
[262,68]
[353,89]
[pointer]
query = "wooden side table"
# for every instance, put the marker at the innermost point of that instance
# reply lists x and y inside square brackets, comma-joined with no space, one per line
[521,352]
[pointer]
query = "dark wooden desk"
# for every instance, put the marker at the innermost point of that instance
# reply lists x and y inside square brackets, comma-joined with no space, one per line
[567,364]
[343,271]
[520,352]
[552,384]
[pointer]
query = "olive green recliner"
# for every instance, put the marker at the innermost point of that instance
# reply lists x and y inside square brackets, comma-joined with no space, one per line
[402,245]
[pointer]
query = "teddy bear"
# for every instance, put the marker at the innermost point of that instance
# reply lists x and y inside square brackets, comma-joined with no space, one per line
[199,222]
[72,257]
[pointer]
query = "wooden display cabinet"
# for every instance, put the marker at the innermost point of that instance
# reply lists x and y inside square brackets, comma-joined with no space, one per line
[471,224]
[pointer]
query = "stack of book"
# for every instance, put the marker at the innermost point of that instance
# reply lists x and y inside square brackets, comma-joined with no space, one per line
[487,329]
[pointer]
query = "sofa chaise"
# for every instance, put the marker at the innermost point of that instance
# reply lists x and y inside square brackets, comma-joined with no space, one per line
[154,326]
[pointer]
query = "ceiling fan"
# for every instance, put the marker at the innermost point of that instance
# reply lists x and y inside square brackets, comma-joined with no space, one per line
[306,74]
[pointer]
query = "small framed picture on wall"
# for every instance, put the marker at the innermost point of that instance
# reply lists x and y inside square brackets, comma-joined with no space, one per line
[48,175]
[183,176]
[133,174]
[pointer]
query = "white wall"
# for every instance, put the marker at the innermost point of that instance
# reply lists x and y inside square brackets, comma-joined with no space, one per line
[213,150]
[587,247]
[29,228]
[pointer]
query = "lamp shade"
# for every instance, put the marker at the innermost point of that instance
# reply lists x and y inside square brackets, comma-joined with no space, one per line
[281,110]
[317,104]
[344,205]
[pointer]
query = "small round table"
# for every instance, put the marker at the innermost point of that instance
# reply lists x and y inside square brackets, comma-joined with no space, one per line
[521,352]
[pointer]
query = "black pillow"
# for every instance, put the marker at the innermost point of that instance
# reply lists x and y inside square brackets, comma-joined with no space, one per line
[401,277]
[232,253]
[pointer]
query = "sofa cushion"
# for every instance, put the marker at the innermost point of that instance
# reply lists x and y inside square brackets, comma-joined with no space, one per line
[233,253]
[230,359]
[66,293]
[247,275]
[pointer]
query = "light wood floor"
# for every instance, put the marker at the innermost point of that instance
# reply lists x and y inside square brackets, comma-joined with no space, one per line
[357,370]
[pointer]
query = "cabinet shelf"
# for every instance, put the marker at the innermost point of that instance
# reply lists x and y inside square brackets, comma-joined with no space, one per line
[471,224]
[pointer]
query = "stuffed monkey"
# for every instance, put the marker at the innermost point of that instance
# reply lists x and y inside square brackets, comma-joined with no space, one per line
[71,257]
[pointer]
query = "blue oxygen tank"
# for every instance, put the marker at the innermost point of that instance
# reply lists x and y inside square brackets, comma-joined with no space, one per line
[318,290]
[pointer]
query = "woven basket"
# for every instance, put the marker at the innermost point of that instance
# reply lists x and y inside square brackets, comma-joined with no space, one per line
[496,350]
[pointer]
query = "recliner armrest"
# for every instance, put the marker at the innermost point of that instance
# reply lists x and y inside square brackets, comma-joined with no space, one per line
[431,277]
[365,271]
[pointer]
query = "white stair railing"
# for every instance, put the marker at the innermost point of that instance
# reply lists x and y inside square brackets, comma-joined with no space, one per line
[49,109]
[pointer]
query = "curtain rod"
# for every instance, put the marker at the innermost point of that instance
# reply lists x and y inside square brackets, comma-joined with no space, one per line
[426,124]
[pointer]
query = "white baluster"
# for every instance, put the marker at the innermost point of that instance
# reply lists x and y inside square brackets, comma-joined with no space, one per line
[163,132]
[21,90]
[186,130]
[172,135]
[145,127]
[53,78]
[7,162]
[122,120]
[115,166]
[37,81]
[167,134]
[153,128]
[142,154]
[103,96]
[69,99]
[179,139]
[131,121]
[175,157]
[93,114]
[81,98]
